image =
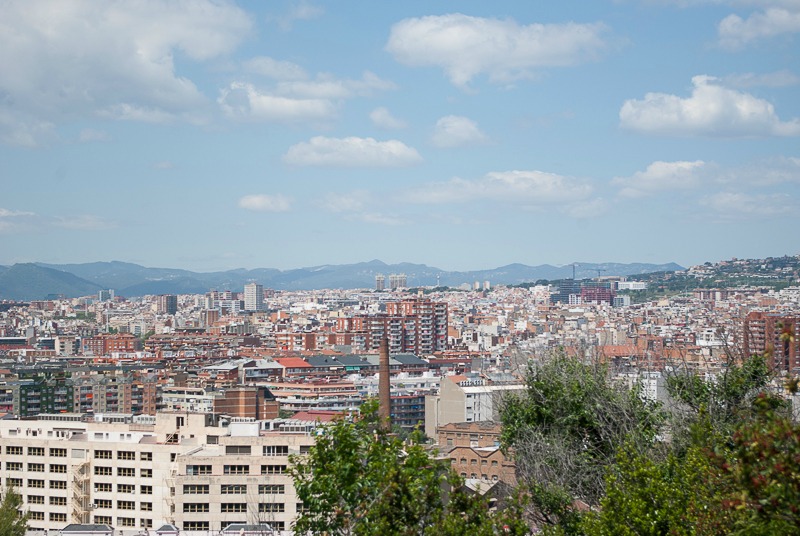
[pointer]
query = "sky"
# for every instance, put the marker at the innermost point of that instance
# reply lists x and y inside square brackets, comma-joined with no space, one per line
[212,135]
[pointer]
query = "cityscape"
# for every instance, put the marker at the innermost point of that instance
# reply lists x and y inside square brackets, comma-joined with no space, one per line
[308,267]
[140,404]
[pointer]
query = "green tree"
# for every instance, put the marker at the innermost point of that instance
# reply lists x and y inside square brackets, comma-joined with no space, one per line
[13,522]
[565,432]
[360,480]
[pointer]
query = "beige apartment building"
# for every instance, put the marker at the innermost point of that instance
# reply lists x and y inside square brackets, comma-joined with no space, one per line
[199,472]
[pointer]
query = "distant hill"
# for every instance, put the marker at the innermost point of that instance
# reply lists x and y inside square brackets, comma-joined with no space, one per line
[29,281]
[35,281]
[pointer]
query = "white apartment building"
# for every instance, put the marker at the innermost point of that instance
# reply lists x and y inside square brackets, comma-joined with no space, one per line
[253,297]
[196,471]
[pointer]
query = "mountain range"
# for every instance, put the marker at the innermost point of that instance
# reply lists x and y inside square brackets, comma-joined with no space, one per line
[27,281]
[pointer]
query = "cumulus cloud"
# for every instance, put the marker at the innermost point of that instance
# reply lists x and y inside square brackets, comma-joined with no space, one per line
[351,152]
[742,206]
[112,59]
[295,97]
[527,188]
[661,176]
[767,172]
[457,131]
[265,203]
[242,101]
[383,118]
[712,110]
[11,220]
[7,213]
[736,32]
[465,47]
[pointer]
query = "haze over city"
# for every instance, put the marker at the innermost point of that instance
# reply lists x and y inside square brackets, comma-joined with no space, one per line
[463,135]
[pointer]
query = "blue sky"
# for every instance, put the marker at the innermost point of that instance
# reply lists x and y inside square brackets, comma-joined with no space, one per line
[464,135]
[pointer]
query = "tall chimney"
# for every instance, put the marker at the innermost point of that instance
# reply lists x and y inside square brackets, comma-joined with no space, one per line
[384,389]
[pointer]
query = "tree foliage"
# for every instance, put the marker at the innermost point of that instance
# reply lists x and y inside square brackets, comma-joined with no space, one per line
[565,432]
[12,521]
[360,480]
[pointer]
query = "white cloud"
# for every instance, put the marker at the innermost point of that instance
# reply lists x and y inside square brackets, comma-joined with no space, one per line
[467,46]
[114,59]
[527,188]
[276,69]
[297,99]
[383,118]
[457,131]
[767,172]
[741,206]
[84,222]
[712,110]
[784,78]
[243,102]
[351,152]
[265,203]
[661,176]
[736,32]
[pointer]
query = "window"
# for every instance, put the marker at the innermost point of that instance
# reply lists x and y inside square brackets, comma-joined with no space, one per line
[102,520]
[58,453]
[195,489]
[103,503]
[35,499]
[102,486]
[305,449]
[33,483]
[126,455]
[58,484]
[483,462]
[36,467]
[271,489]
[35,451]
[14,466]
[36,516]
[237,449]
[146,456]
[14,451]
[273,469]
[473,461]
[494,463]
[126,521]
[233,489]
[14,482]
[126,488]
[58,468]
[146,490]
[126,505]
[146,523]
[192,508]
[230,508]
[195,525]
[99,470]
[58,516]
[146,506]
[102,454]
[236,470]
[276,450]
[58,501]
[126,471]
[271,507]
[146,473]
[198,470]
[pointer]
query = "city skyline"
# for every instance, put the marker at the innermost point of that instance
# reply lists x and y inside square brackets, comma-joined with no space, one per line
[217,135]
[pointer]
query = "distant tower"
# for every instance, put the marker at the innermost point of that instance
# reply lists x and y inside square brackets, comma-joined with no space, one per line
[253,297]
[380,282]
[384,387]
[167,304]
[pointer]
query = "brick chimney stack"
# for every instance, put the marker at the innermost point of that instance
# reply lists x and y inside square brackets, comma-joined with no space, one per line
[384,386]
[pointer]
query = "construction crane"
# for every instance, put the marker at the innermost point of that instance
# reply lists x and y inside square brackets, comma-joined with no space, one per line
[600,271]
